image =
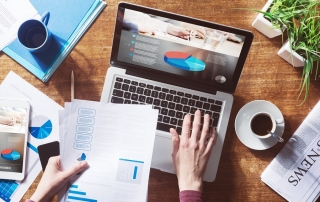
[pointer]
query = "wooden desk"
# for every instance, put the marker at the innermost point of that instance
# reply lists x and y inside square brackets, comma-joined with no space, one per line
[265,76]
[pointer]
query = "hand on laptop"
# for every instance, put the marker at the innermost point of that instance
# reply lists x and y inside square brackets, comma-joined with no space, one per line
[53,179]
[191,153]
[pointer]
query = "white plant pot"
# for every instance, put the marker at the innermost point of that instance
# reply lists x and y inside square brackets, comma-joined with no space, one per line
[290,56]
[264,26]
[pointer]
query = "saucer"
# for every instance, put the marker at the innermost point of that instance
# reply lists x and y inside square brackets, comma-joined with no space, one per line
[243,129]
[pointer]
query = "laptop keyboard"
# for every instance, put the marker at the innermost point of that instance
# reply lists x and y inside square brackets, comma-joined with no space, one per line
[172,104]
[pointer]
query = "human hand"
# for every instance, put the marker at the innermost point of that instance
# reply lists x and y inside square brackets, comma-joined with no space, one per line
[177,31]
[200,31]
[147,25]
[53,179]
[15,115]
[191,154]
[6,120]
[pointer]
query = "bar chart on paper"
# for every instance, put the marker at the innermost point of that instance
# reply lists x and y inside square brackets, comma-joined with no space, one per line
[129,171]
[84,192]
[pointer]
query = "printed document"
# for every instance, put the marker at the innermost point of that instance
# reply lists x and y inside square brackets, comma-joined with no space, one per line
[43,128]
[117,141]
[12,14]
[294,173]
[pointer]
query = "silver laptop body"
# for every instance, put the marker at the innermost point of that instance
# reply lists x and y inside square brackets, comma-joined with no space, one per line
[116,74]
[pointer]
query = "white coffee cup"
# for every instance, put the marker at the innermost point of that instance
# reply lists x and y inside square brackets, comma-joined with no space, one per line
[263,125]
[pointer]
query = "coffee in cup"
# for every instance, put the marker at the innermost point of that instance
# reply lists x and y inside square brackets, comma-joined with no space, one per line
[263,125]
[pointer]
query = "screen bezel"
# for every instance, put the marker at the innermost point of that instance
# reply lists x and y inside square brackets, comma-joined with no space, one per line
[167,77]
[18,104]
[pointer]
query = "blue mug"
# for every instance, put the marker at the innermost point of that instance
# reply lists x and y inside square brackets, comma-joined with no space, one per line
[34,35]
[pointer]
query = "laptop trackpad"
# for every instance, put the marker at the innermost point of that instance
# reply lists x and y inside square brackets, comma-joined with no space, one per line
[161,157]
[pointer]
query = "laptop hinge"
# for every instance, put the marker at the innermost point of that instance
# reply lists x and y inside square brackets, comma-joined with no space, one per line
[172,81]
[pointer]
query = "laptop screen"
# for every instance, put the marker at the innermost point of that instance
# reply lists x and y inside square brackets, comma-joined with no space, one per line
[208,55]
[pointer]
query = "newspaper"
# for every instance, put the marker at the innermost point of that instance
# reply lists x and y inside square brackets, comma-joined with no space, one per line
[294,173]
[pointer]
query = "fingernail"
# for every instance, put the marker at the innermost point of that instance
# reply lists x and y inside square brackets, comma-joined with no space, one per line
[84,163]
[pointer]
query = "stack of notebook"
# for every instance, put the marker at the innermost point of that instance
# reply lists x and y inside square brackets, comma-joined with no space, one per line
[69,19]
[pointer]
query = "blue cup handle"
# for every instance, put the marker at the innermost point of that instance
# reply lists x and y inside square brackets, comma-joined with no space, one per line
[45,17]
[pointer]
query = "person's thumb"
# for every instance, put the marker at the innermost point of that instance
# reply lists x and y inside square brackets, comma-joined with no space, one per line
[78,167]
[175,141]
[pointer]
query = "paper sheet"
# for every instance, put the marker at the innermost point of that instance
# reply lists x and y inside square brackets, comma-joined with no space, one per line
[43,126]
[12,14]
[117,141]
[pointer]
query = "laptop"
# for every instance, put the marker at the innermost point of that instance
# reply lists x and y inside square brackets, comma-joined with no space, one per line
[177,64]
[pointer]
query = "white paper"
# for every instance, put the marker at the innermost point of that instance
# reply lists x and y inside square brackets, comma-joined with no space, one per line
[117,141]
[294,173]
[12,14]
[43,110]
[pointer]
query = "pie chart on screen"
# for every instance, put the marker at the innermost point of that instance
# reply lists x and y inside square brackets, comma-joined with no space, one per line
[9,154]
[220,79]
[184,61]
[40,127]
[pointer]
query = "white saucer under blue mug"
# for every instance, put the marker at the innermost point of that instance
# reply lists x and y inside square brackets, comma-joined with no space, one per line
[242,124]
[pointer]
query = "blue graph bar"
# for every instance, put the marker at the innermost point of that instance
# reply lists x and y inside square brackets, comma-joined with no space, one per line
[131,160]
[77,192]
[32,147]
[74,186]
[135,172]
[82,199]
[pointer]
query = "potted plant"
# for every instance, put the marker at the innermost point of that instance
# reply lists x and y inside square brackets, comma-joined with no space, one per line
[301,19]
[264,25]
[276,14]
[304,43]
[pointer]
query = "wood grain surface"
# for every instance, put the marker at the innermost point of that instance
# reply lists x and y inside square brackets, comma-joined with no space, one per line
[265,76]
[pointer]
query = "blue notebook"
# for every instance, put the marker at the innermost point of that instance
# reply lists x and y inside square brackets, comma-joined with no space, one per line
[65,17]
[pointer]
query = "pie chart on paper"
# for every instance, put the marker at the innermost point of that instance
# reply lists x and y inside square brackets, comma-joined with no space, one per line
[40,127]
[184,61]
[9,154]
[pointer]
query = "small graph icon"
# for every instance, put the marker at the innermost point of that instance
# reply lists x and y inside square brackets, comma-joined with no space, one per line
[129,171]
[220,79]
[82,157]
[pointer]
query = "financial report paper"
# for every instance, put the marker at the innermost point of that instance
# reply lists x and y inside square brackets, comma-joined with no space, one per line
[13,13]
[117,142]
